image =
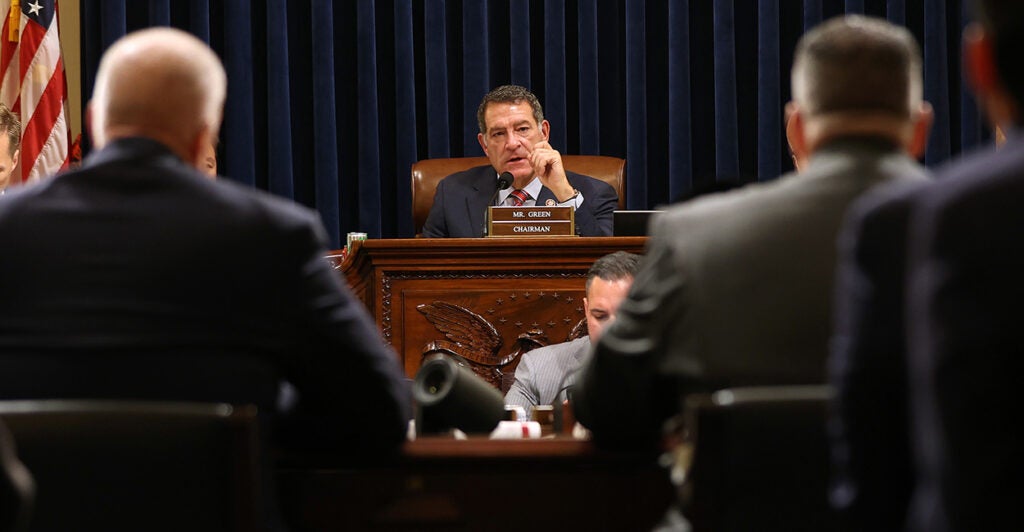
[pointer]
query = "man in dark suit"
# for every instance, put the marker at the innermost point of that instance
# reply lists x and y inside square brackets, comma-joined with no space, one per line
[966,305]
[514,135]
[871,457]
[137,277]
[735,288]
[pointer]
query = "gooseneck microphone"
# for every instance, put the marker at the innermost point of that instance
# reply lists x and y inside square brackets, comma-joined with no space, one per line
[504,181]
[449,395]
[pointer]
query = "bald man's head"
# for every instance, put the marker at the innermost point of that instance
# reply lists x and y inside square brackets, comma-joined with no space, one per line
[160,83]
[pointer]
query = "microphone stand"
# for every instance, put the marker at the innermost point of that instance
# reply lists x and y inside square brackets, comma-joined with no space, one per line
[504,181]
[558,406]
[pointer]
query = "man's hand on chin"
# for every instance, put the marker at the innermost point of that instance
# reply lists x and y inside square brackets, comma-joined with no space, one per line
[547,164]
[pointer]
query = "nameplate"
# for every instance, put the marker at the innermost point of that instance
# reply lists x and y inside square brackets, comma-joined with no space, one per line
[530,221]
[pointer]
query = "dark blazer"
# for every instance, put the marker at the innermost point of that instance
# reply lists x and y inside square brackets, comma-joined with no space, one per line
[872,466]
[136,276]
[966,309]
[735,290]
[461,202]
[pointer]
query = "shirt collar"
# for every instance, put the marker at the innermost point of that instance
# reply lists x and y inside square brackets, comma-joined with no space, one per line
[532,188]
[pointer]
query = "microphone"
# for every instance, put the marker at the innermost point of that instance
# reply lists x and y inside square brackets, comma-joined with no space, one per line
[449,395]
[504,181]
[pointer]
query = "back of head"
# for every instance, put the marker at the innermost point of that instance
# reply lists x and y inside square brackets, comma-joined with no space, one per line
[613,267]
[857,64]
[508,94]
[160,83]
[1004,21]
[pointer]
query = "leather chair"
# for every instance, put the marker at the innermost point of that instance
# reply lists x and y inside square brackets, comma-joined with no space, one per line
[760,460]
[428,172]
[123,465]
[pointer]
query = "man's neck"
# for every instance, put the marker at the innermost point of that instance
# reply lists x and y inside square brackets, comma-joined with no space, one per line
[175,145]
[820,131]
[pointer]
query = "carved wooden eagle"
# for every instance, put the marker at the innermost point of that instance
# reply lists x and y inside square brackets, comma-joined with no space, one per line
[468,334]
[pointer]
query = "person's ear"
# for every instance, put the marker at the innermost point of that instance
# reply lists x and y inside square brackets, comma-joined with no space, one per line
[795,134]
[586,307]
[922,126]
[483,143]
[14,158]
[90,125]
[197,148]
[545,129]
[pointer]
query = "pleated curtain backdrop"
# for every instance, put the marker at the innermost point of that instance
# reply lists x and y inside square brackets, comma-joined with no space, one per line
[329,103]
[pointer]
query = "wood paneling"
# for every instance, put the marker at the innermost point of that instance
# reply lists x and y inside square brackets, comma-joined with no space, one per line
[505,295]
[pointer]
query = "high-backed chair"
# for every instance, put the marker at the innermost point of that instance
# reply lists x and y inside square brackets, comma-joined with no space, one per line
[428,172]
[121,465]
[760,460]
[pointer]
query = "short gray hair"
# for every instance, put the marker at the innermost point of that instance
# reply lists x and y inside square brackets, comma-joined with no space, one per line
[159,80]
[857,63]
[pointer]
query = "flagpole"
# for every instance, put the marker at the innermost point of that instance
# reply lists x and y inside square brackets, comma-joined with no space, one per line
[13,21]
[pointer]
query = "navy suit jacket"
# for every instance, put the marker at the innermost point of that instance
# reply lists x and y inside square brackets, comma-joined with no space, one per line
[137,277]
[461,202]
[966,311]
[873,469]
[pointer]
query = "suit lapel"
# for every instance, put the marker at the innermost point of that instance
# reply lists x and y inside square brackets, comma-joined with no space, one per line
[544,196]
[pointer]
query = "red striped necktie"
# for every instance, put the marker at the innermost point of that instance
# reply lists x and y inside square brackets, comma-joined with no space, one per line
[518,197]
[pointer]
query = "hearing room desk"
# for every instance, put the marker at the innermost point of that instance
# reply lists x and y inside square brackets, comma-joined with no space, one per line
[481,484]
[514,294]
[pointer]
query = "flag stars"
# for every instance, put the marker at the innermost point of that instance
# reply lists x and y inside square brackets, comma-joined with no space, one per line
[34,8]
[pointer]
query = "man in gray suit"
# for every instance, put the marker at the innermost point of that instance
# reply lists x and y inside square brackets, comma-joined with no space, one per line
[736,288]
[544,374]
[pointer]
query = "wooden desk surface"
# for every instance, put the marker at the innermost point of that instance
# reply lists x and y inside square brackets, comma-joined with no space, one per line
[544,448]
[480,484]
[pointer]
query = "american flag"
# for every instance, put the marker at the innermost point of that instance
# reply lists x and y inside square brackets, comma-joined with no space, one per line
[33,84]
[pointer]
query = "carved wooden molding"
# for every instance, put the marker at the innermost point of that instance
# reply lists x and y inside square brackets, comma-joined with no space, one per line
[473,338]
[388,276]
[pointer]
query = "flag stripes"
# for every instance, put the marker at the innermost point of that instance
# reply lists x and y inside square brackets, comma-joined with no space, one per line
[34,85]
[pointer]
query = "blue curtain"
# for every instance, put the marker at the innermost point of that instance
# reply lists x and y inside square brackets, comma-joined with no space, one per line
[331,102]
